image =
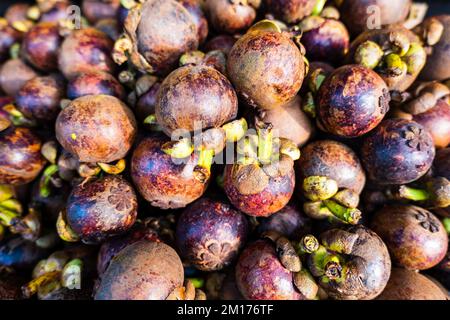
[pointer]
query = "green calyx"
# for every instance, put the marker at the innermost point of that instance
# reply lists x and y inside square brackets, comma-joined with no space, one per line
[369,54]
[44,183]
[317,188]
[309,106]
[435,194]
[415,58]
[394,65]
[265,26]
[318,7]
[446,223]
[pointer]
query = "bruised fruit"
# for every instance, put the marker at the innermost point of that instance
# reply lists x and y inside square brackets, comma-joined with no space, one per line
[40,46]
[261,276]
[194,97]
[101,208]
[352,101]
[142,271]
[20,156]
[85,50]
[410,285]
[40,97]
[210,234]
[160,180]
[415,238]
[266,67]
[397,152]
[96,128]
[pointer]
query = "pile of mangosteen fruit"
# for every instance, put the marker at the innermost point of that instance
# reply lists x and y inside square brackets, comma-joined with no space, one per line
[224,150]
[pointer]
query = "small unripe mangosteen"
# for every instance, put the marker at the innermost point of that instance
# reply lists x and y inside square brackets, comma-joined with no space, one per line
[261,276]
[416,239]
[291,11]
[356,13]
[142,271]
[40,46]
[266,67]
[40,97]
[397,152]
[193,95]
[94,83]
[353,264]
[436,69]
[334,160]
[231,16]
[161,181]
[95,10]
[210,234]
[155,44]
[20,156]
[101,208]
[290,121]
[13,75]
[85,50]
[325,39]
[96,128]
[409,285]
[352,101]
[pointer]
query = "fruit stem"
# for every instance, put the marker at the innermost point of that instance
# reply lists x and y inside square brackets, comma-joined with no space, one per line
[413,193]
[446,223]
[307,245]
[32,287]
[348,215]
[44,183]
[71,274]
[318,7]
[235,130]
[265,142]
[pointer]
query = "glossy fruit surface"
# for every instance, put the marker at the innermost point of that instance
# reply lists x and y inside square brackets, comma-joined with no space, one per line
[415,238]
[94,83]
[437,122]
[210,233]
[13,75]
[102,208]
[397,152]
[352,101]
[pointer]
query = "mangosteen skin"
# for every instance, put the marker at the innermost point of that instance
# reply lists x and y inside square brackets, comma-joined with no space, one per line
[442,163]
[274,197]
[96,128]
[261,276]
[195,9]
[94,83]
[397,152]
[221,42]
[167,31]
[8,36]
[146,104]
[40,46]
[40,97]
[143,270]
[56,13]
[102,208]
[290,11]
[334,160]
[195,95]
[352,101]
[266,69]
[369,267]
[437,122]
[289,222]
[409,285]
[229,17]
[13,75]
[290,121]
[161,181]
[19,253]
[355,13]
[20,156]
[209,234]
[328,42]
[85,50]
[436,67]
[96,10]
[416,239]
